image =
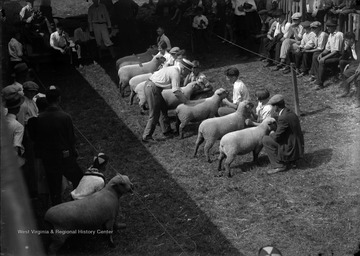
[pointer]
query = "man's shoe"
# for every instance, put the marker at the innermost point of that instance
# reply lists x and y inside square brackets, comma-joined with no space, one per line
[149,140]
[168,134]
[277,68]
[311,79]
[276,170]
[286,71]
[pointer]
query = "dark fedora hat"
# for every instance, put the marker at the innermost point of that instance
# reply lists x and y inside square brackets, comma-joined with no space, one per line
[330,23]
[14,102]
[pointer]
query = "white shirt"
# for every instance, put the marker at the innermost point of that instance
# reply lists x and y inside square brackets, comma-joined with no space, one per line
[164,38]
[308,41]
[27,110]
[167,77]
[57,41]
[240,92]
[200,22]
[16,131]
[321,41]
[334,42]
[237,3]
[263,111]
[15,50]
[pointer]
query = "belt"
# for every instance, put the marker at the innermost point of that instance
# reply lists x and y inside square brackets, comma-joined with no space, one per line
[99,22]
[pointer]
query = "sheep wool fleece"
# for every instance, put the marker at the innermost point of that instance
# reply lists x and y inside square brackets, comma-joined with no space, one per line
[91,182]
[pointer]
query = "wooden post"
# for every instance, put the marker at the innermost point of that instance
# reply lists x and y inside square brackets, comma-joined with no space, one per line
[303,10]
[296,93]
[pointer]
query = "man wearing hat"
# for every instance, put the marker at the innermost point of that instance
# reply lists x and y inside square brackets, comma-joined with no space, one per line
[286,145]
[28,109]
[291,37]
[329,57]
[266,22]
[171,56]
[12,101]
[319,41]
[168,77]
[307,43]
[55,140]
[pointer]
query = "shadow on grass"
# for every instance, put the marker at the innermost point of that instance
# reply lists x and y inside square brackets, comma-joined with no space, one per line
[315,159]
[160,195]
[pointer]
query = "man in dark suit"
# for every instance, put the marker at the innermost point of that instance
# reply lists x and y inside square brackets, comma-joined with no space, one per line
[286,144]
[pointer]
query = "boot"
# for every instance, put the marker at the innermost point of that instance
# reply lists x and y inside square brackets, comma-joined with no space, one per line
[357,95]
[346,90]
[112,52]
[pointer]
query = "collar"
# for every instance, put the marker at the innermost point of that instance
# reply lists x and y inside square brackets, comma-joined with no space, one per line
[94,172]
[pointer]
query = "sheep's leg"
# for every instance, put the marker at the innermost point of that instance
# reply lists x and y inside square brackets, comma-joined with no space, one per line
[120,89]
[132,95]
[207,147]
[177,124]
[227,163]
[109,225]
[221,157]
[199,141]
[181,129]
[256,152]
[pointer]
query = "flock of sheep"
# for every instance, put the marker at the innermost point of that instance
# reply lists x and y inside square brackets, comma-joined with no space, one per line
[134,71]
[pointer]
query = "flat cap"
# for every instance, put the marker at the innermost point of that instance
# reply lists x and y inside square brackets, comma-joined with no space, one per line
[305,24]
[13,97]
[278,98]
[296,16]
[263,12]
[330,23]
[30,86]
[278,13]
[11,91]
[21,68]
[53,91]
[315,24]
[174,50]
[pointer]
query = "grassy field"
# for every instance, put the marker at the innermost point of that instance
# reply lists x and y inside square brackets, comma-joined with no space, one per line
[180,208]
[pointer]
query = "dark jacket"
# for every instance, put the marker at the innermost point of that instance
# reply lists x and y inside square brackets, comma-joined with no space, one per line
[55,133]
[289,136]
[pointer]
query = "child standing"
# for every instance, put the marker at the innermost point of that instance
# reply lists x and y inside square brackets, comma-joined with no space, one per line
[93,179]
[263,110]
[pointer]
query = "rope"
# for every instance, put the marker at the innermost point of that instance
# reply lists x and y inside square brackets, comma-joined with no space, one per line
[250,51]
[134,192]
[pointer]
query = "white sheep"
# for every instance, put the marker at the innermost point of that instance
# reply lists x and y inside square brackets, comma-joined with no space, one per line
[243,142]
[134,82]
[137,58]
[127,72]
[171,100]
[208,107]
[213,129]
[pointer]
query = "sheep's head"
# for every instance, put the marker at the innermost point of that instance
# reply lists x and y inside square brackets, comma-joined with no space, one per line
[245,107]
[222,93]
[270,123]
[121,184]
[160,60]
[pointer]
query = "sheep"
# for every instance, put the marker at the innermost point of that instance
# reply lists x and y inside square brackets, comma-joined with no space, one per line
[243,142]
[134,82]
[170,99]
[137,58]
[206,109]
[213,129]
[128,72]
[96,211]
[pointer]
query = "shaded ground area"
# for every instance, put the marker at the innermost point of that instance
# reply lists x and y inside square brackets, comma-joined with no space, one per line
[156,189]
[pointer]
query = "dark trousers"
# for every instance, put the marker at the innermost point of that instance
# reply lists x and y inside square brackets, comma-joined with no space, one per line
[157,110]
[343,63]
[319,70]
[271,148]
[303,61]
[29,166]
[55,167]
